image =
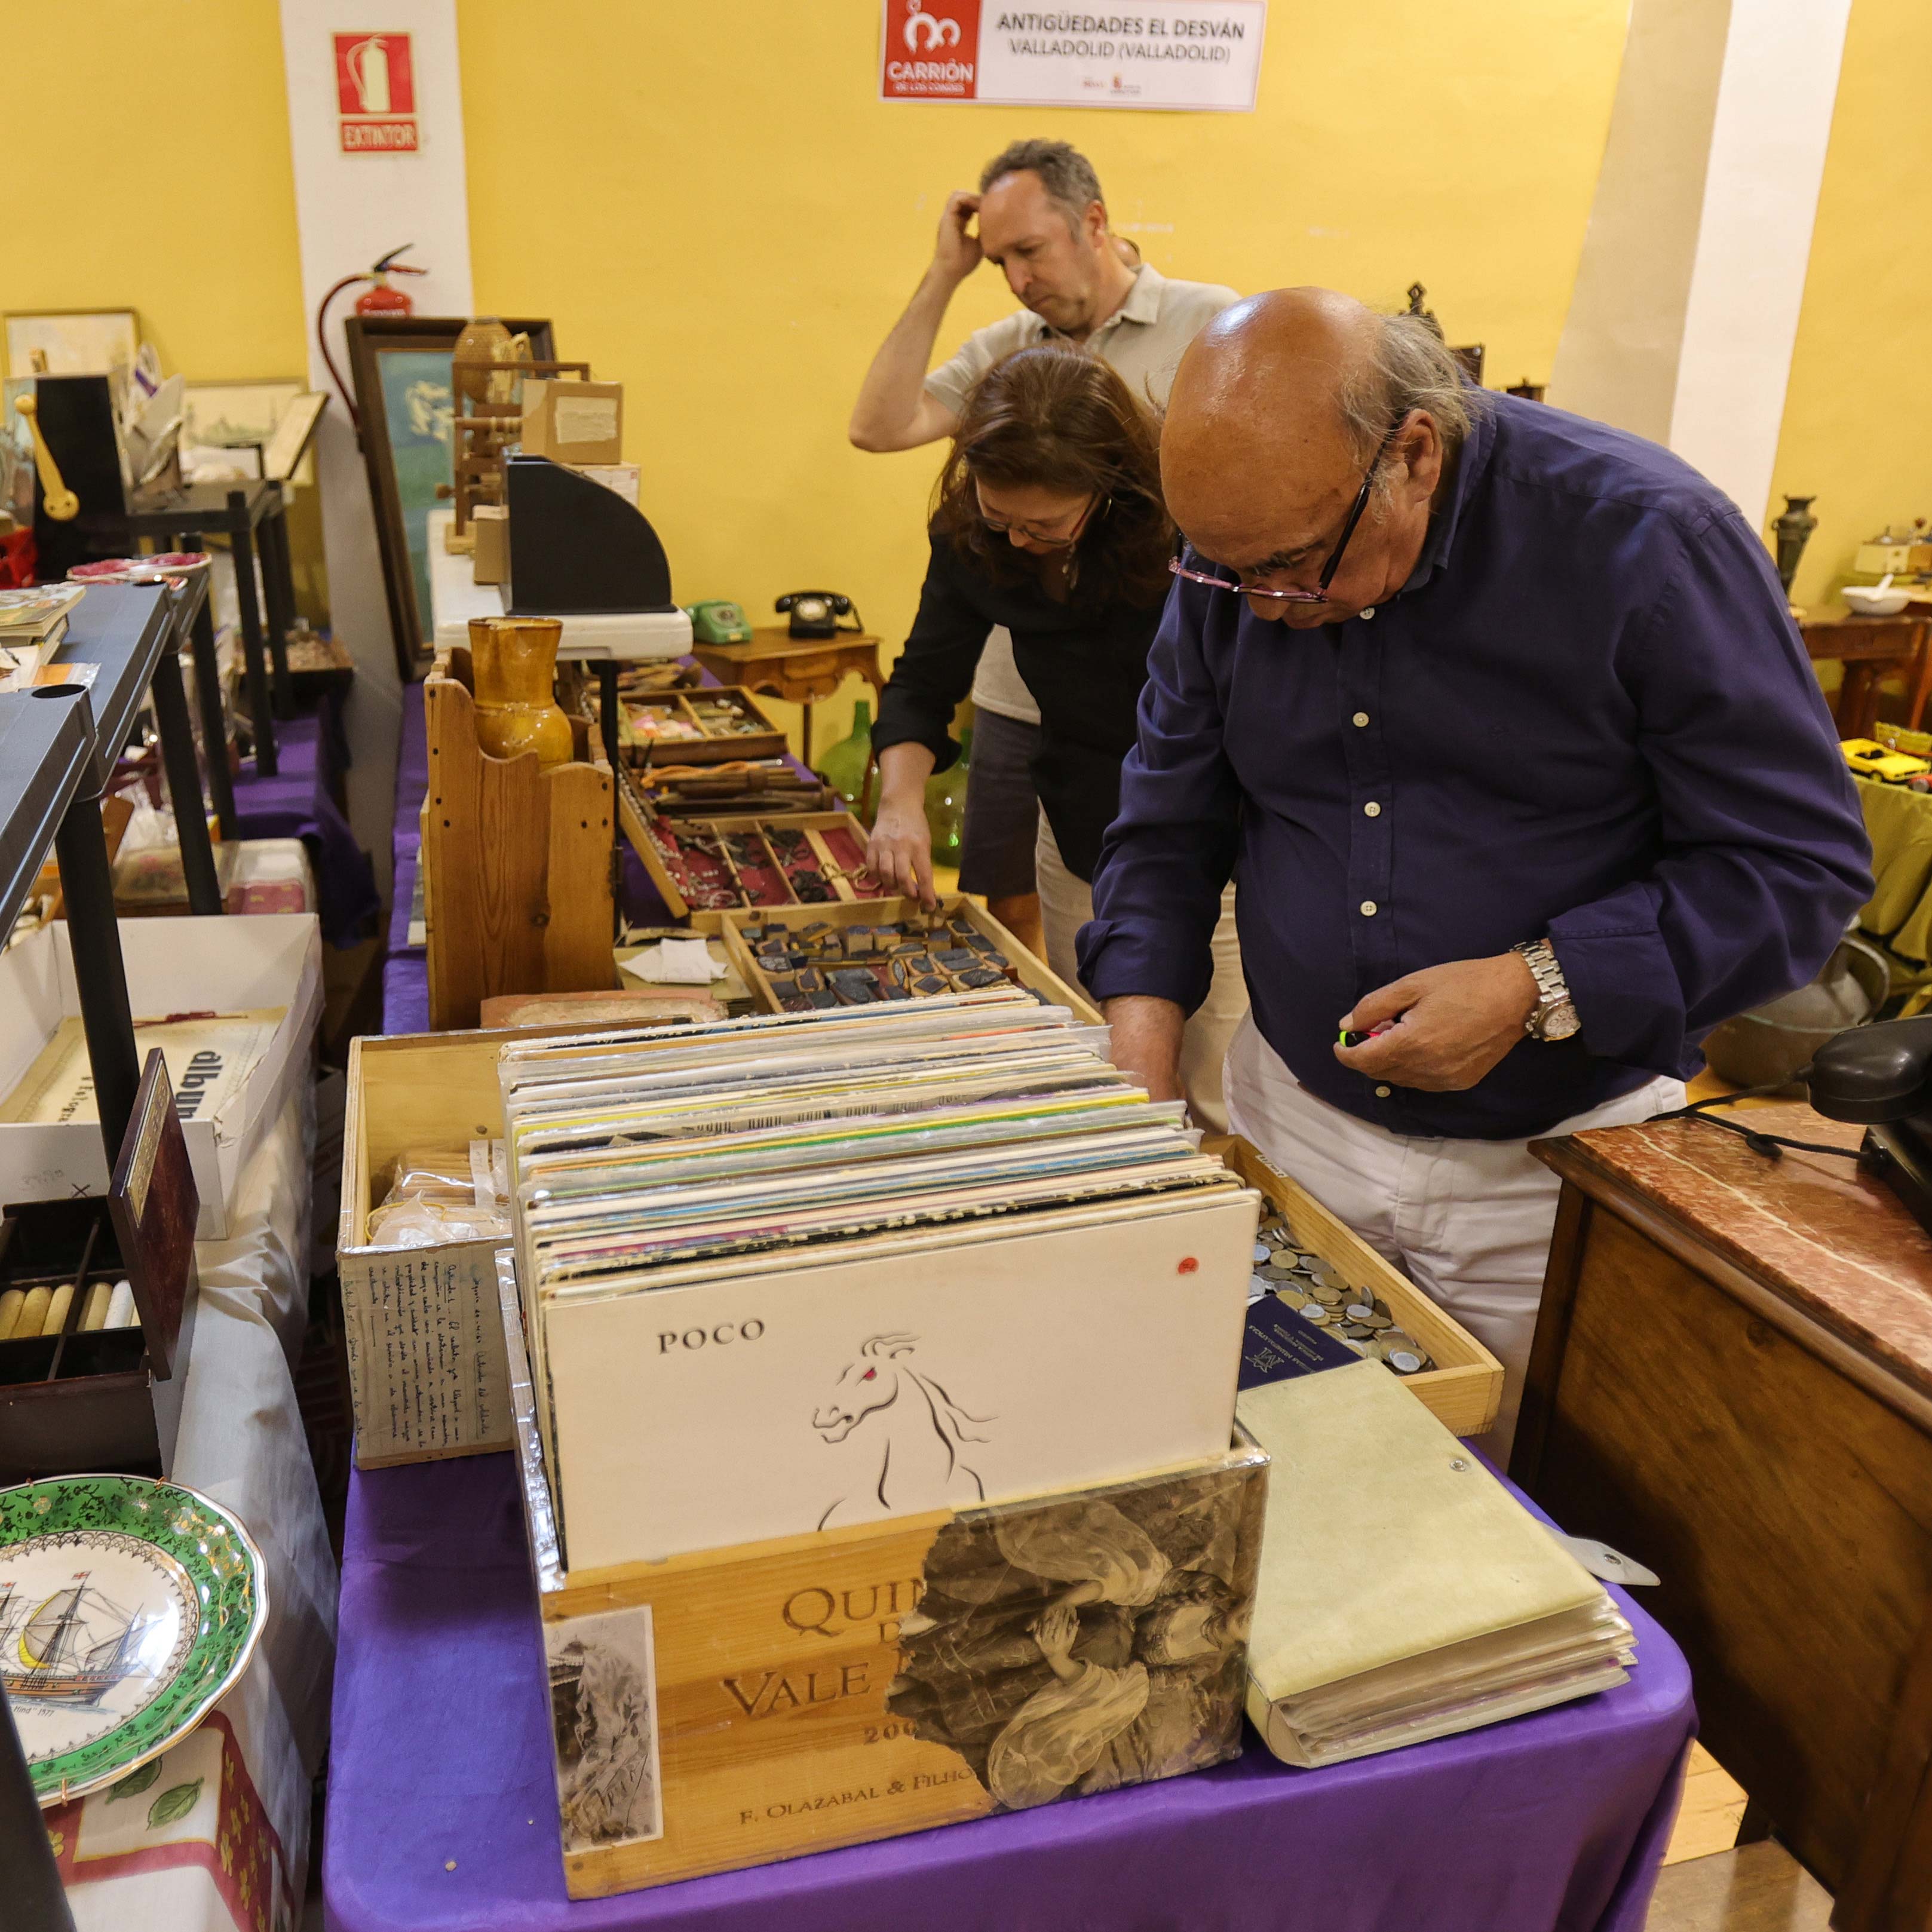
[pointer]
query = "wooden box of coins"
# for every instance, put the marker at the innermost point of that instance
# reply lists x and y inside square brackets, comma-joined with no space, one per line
[97,1304]
[707,867]
[736,1706]
[708,726]
[810,958]
[1331,1277]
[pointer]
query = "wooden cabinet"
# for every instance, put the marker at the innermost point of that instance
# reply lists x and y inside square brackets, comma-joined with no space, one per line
[1732,1381]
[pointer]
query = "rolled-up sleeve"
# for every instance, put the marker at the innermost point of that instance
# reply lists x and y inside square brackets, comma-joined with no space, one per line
[1764,859]
[934,671]
[1166,857]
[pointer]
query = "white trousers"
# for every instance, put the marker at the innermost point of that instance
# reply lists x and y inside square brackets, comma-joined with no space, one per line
[1468,1222]
[1066,903]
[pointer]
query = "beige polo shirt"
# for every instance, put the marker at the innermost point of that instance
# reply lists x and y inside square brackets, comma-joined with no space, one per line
[1144,339]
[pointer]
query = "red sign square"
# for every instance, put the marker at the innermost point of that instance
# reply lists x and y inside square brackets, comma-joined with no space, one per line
[375,76]
[932,50]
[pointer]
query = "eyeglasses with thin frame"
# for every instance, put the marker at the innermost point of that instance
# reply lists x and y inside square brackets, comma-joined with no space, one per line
[1320,594]
[1032,535]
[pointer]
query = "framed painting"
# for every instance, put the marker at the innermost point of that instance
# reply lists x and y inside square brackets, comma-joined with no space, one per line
[400,365]
[75,342]
[249,429]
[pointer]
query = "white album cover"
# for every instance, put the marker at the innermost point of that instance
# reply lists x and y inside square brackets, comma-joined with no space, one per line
[812,1390]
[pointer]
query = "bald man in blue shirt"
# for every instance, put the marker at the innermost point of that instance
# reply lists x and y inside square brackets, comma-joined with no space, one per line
[1499,718]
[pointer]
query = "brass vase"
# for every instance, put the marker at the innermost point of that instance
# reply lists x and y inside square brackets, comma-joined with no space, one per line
[514,661]
[1793,532]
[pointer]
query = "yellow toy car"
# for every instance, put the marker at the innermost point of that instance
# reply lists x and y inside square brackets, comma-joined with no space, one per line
[1871,760]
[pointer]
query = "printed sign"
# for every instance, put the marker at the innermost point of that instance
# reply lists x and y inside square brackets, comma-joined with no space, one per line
[1200,54]
[376,93]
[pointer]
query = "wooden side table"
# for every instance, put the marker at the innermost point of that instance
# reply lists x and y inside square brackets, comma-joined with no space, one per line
[802,671]
[1732,1383]
[1869,648]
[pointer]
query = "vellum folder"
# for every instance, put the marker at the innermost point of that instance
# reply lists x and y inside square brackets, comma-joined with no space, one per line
[1404,1593]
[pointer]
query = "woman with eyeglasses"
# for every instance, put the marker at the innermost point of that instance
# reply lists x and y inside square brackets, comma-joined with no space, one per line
[1048,520]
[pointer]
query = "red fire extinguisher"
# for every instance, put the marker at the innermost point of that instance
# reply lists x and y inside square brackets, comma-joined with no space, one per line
[378,298]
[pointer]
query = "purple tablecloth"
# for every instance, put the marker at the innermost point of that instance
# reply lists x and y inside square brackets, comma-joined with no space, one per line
[405,971]
[299,802]
[441,1752]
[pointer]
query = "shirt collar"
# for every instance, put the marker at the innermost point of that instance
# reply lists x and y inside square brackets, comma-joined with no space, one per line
[1443,523]
[1142,305]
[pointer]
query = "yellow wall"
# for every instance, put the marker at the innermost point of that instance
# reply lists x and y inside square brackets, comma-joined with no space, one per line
[151,170]
[728,220]
[1853,432]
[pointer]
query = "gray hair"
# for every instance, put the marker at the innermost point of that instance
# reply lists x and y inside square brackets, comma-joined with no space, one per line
[1064,171]
[1409,367]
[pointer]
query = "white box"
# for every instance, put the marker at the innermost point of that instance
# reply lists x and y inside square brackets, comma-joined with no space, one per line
[173,965]
[946,1368]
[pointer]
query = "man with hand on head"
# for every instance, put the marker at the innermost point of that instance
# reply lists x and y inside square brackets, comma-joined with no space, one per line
[1499,718]
[1039,217]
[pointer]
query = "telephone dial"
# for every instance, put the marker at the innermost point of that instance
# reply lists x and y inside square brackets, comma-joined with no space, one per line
[815,614]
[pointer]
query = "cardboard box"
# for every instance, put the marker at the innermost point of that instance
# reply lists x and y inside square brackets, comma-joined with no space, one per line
[736,1706]
[173,966]
[574,422]
[1465,1389]
[490,524]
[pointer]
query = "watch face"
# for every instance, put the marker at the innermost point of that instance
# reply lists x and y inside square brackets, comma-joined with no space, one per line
[1557,1022]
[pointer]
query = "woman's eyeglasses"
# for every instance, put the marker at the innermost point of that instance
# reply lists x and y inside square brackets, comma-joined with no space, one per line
[1046,539]
[1319,595]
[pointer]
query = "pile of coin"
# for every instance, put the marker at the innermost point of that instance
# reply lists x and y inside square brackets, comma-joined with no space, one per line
[1314,1288]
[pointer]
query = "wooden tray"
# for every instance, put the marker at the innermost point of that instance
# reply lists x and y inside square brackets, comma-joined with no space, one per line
[1034,972]
[632,815]
[1465,1389]
[769,742]
[516,863]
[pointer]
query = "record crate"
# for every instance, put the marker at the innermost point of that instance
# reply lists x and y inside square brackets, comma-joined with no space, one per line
[956,908]
[736,1706]
[517,862]
[1464,1391]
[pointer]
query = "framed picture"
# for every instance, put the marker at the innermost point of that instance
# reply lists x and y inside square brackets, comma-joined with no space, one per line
[77,342]
[250,429]
[400,365]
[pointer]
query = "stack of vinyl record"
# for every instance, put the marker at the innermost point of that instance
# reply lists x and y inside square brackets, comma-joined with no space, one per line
[788,1273]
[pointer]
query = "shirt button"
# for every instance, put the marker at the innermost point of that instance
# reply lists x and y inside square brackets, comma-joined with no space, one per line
[1371,810]
[1370,612]
[1381,1093]
[1361,718]
[1368,908]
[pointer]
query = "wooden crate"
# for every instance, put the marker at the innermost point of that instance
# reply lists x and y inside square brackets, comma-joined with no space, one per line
[813,824]
[516,863]
[1465,1389]
[1034,972]
[757,1703]
[769,742]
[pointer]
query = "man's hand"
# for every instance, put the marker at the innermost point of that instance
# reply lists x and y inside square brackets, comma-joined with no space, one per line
[1147,1042]
[958,252]
[1452,1024]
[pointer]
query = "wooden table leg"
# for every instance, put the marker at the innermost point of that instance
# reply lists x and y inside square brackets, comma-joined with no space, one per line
[1858,701]
[1918,683]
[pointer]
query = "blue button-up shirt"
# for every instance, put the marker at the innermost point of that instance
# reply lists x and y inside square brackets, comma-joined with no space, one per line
[1587,716]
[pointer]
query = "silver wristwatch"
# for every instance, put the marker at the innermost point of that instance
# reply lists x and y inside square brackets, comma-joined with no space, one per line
[1554,1015]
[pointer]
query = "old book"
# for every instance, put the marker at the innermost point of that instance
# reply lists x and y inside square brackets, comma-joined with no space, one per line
[1405,1594]
[210,1057]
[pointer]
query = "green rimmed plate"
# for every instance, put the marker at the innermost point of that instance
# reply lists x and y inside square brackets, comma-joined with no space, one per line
[127,1607]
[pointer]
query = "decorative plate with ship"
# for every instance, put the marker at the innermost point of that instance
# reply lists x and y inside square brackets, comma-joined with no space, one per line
[127,1608]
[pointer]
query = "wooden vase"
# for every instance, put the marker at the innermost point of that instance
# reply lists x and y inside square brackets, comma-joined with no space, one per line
[514,660]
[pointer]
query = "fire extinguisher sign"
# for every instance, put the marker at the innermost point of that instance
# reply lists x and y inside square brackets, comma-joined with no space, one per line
[376,93]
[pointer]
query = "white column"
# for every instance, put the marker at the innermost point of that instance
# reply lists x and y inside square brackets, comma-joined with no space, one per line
[352,208]
[1685,311]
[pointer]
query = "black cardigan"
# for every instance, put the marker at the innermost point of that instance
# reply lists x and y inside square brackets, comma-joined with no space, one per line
[1084,661]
